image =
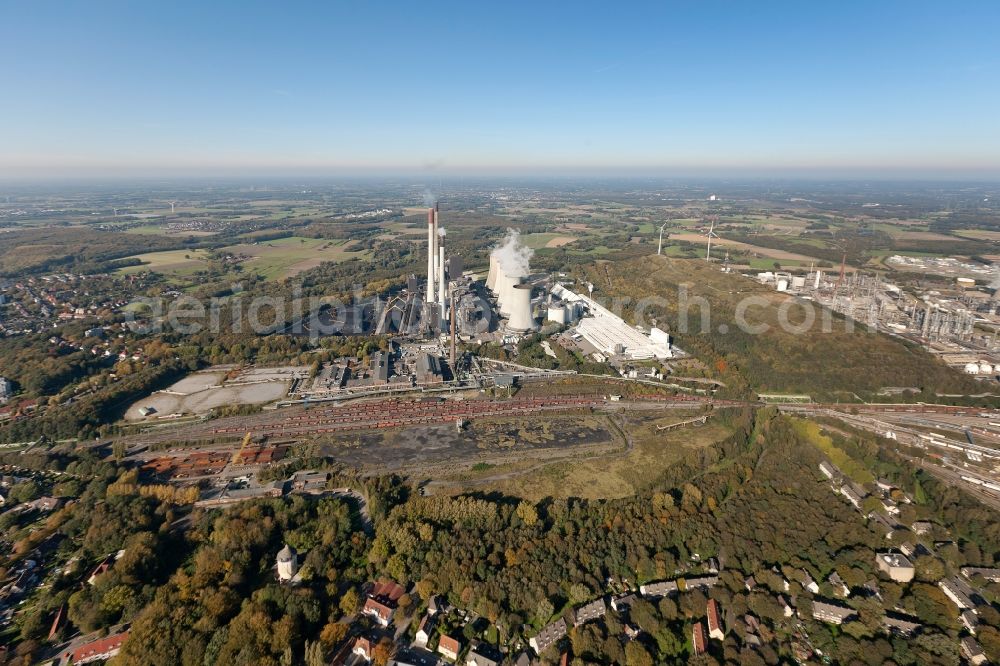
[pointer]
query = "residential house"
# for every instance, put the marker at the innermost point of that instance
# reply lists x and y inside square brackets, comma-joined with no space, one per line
[44,504]
[884,486]
[703,582]
[922,527]
[101,568]
[972,651]
[839,586]
[588,612]
[483,655]
[382,601]
[901,625]
[434,605]
[970,621]
[548,636]
[100,649]
[831,613]
[808,583]
[363,648]
[958,591]
[714,623]
[786,608]
[623,603]
[988,573]
[449,647]
[424,631]
[896,566]
[381,612]
[852,495]
[882,524]
[661,589]
[698,638]
[890,507]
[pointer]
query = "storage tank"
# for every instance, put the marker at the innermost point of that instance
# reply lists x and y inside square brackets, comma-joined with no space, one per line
[782,284]
[799,282]
[557,313]
[972,368]
[519,304]
[985,368]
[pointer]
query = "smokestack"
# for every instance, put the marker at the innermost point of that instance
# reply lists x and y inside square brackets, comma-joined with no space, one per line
[437,253]
[454,371]
[519,304]
[441,287]
[431,241]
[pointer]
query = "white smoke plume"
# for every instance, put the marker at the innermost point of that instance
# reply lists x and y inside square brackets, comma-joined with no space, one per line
[442,231]
[514,259]
[428,198]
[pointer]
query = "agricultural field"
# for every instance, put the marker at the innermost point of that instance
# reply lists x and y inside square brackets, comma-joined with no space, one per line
[273,259]
[174,263]
[287,257]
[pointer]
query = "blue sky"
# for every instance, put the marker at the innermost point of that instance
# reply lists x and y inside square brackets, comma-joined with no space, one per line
[676,87]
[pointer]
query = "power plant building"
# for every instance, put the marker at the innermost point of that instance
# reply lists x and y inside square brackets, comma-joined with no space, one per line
[613,336]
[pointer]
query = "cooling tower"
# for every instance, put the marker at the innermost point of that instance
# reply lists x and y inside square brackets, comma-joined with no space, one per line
[505,283]
[519,304]
[491,277]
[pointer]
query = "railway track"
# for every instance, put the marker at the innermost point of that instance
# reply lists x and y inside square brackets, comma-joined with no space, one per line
[394,413]
[398,412]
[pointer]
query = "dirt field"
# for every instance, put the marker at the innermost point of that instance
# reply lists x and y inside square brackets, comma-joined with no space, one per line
[200,392]
[438,451]
[979,234]
[617,466]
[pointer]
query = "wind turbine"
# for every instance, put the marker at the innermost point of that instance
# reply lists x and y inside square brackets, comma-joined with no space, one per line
[711,235]
[172,206]
[115,211]
[659,248]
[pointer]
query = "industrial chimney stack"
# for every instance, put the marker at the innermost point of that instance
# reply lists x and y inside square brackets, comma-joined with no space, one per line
[431,254]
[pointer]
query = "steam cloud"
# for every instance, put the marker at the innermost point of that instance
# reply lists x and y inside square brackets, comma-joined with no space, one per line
[428,198]
[514,259]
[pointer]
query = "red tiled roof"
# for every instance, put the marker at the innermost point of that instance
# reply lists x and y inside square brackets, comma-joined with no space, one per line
[449,643]
[100,646]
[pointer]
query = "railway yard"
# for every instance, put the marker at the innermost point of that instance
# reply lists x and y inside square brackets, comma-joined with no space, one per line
[426,436]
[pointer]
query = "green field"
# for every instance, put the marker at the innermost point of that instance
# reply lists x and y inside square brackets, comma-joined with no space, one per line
[179,263]
[286,257]
[274,259]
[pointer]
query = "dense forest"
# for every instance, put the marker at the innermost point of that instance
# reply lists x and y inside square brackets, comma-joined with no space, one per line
[202,590]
